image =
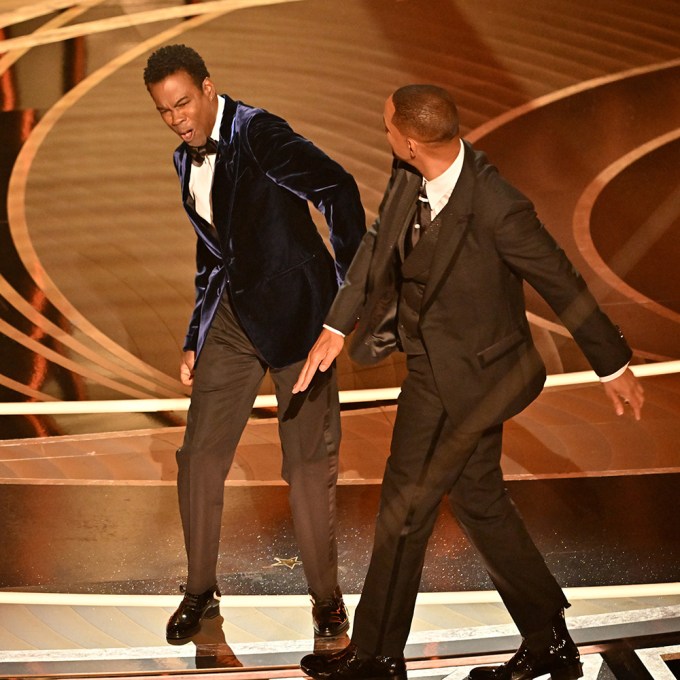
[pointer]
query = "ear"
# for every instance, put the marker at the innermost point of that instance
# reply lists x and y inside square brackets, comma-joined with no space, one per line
[412,147]
[208,88]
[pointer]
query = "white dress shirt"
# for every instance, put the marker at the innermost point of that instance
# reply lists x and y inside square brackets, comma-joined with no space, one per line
[201,176]
[439,189]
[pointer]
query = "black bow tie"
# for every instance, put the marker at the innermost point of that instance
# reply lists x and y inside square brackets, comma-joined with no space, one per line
[198,153]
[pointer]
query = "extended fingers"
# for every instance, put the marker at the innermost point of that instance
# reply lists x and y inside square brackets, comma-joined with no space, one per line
[306,374]
[626,390]
[320,357]
[636,399]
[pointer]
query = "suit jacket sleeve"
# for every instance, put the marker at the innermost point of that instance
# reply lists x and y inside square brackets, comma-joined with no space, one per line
[528,249]
[294,163]
[346,308]
[349,303]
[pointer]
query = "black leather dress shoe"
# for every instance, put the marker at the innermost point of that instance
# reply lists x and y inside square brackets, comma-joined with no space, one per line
[186,621]
[348,665]
[330,616]
[556,655]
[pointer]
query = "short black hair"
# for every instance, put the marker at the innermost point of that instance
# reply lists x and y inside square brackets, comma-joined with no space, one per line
[428,113]
[172,58]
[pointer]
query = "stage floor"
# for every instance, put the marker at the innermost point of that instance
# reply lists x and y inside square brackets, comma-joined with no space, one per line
[101,636]
[93,554]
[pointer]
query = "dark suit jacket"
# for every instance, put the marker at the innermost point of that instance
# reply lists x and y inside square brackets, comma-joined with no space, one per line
[266,249]
[473,322]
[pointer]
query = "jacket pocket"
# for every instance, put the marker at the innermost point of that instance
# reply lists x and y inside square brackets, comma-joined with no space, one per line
[501,348]
[292,268]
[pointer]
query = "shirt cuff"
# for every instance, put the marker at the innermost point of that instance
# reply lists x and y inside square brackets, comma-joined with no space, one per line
[613,376]
[333,330]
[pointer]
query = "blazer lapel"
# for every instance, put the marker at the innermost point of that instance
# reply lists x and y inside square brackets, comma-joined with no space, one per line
[204,230]
[184,175]
[221,183]
[184,165]
[399,209]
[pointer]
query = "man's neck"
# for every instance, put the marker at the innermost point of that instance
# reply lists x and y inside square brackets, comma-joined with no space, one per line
[433,162]
[215,109]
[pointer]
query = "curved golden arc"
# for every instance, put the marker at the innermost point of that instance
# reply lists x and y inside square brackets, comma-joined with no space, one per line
[582,232]
[18,180]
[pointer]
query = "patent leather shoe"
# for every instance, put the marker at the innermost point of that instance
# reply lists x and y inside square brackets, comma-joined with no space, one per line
[329,615]
[549,652]
[186,620]
[350,665]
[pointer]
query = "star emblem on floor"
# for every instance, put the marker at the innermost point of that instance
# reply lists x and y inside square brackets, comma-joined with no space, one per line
[290,562]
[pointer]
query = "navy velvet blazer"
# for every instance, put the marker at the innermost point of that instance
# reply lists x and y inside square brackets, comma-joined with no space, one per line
[265,248]
[473,321]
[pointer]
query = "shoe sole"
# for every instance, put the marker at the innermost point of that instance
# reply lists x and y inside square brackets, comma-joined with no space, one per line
[322,676]
[343,629]
[572,672]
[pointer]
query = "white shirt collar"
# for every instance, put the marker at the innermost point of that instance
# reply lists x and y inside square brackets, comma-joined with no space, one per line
[215,134]
[440,188]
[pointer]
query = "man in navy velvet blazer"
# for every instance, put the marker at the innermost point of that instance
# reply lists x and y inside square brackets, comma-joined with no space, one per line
[264,284]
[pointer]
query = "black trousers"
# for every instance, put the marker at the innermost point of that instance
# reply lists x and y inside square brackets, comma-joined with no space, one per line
[226,380]
[429,459]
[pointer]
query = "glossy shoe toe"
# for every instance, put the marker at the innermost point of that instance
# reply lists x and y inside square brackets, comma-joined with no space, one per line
[524,666]
[186,620]
[548,652]
[350,665]
[329,615]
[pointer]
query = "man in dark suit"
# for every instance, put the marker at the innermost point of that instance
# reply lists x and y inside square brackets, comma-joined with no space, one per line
[264,283]
[440,275]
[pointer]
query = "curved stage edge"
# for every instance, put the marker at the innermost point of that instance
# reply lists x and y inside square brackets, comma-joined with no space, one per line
[620,636]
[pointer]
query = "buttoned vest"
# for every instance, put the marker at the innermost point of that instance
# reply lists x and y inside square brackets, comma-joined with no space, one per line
[415,273]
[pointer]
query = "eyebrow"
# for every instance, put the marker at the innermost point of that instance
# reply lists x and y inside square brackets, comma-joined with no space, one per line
[179,102]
